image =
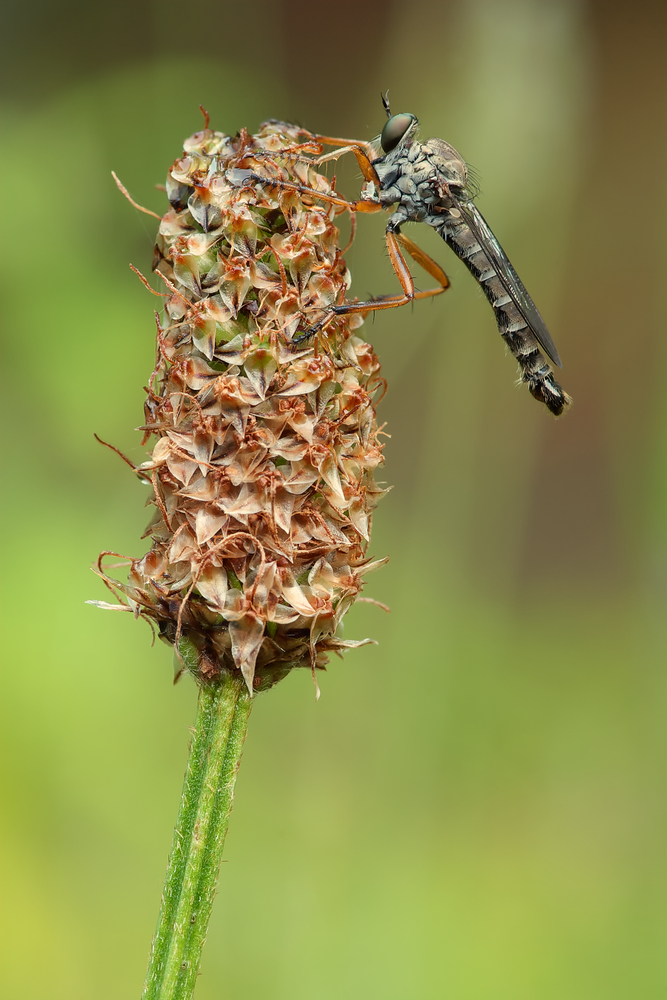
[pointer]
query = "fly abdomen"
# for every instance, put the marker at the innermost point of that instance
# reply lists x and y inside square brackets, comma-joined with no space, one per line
[504,300]
[536,371]
[538,375]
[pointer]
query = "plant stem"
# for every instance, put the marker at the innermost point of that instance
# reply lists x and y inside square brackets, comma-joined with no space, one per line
[196,851]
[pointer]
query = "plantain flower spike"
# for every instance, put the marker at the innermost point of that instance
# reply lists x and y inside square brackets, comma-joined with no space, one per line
[265,445]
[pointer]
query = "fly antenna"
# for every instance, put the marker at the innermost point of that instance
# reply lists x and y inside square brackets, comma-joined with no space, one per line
[385,103]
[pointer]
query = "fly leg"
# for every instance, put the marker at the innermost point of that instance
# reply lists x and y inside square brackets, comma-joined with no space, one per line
[395,240]
[325,140]
[361,205]
[362,151]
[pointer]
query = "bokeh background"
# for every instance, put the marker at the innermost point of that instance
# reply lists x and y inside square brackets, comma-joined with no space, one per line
[475,809]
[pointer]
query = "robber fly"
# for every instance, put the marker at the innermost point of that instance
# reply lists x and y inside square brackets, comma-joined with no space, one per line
[428,182]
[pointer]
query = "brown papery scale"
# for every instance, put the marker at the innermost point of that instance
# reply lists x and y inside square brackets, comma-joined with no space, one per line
[264,450]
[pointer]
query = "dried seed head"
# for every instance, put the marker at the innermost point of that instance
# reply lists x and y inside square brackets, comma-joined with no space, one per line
[262,467]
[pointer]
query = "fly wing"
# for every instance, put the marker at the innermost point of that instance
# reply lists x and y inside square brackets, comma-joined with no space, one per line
[510,280]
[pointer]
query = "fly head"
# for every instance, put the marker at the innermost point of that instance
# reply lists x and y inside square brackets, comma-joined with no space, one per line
[397,130]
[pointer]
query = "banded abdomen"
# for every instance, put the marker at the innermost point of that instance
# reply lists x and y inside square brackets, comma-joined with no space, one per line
[514,309]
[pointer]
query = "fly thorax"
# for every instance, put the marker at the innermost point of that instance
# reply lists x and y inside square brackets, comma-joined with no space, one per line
[387,171]
[449,164]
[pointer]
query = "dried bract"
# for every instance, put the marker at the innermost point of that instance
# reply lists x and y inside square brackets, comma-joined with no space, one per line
[265,449]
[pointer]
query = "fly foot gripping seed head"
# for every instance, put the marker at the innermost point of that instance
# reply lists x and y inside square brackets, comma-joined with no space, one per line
[264,446]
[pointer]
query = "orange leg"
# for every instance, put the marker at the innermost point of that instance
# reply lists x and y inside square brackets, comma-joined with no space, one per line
[403,274]
[362,205]
[362,151]
[394,242]
[326,140]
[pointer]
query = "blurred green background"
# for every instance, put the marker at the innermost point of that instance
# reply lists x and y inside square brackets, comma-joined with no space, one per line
[475,809]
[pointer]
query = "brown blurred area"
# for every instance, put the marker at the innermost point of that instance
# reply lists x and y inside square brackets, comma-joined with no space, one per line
[327,54]
[594,480]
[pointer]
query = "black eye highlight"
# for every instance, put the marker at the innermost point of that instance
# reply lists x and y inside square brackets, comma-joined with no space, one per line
[394,131]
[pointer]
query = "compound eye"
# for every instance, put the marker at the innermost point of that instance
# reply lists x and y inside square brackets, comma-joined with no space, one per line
[394,131]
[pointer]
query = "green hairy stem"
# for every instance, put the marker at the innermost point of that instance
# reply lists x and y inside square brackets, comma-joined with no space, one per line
[206,803]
